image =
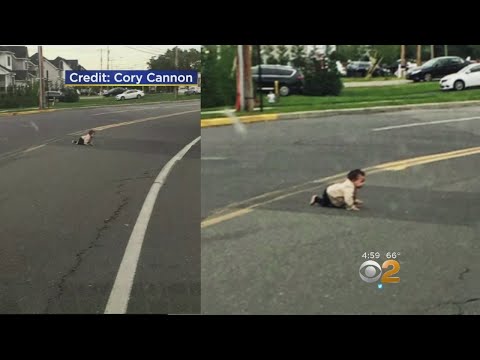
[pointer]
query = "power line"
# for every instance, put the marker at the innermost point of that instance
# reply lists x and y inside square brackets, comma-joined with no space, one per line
[150,49]
[144,51]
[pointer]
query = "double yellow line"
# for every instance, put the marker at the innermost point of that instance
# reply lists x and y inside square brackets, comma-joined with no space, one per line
[228,213]
[403,164]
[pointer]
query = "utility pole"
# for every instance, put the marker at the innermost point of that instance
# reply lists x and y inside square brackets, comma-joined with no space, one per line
[108,58]
[101,68]
[419,55]
[241,78]
[41,98]
[259,83]
[445,47]
[432,51]
[403,63]
[176,68]
[247,57]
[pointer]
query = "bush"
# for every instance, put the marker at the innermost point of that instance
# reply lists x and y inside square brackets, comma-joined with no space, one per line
[322,81]
[70,95]
[19,97]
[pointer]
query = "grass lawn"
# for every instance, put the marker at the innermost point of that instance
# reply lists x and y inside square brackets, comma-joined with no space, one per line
[414,93]
[110,101]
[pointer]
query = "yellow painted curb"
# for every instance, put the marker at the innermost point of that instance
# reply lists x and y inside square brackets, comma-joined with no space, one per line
[26,112]
[244,119]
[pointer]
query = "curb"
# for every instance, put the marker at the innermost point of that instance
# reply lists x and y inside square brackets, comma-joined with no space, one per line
[323,113]
[244,119]
[27,112]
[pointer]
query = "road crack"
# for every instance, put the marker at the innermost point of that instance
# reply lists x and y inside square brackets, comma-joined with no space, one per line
[80,256]
[460,277]
[460,304]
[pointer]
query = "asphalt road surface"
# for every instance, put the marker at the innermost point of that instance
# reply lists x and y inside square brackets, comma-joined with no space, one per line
[266,251]
[67,212]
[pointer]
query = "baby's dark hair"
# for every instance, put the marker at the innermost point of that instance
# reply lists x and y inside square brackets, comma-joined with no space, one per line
[354,174]
[91,132]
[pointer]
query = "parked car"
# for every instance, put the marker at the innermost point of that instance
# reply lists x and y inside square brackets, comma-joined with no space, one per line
[114,91]
[361,69]
[437,68]
[130,94]
[358,68]
[55,95]
[192,91]
[290,80]
[393,67]
[469,76]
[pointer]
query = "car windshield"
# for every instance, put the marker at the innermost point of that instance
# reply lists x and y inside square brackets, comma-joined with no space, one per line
[466,68]
[431,62]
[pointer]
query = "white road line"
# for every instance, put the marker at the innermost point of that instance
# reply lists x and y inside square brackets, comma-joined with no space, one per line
[214,158]
[425,123]
[132,122]
[34,148]
[143,108]
[120,294]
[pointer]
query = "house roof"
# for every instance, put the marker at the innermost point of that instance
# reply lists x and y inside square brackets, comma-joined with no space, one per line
[57,61]
[34,60]
[74,65]
[21,52]
[6,69]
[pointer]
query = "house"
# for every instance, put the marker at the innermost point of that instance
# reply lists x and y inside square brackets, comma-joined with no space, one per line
[54,70]
[7,76]
[62,65]
[51,72]
[15,66]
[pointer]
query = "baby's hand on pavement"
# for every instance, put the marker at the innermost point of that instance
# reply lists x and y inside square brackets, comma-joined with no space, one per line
[354,208]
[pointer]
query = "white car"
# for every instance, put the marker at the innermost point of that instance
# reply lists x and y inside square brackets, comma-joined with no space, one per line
[130,94]
[469,76]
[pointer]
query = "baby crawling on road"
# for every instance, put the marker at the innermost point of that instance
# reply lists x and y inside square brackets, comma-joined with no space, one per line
[85,139]
[343,194]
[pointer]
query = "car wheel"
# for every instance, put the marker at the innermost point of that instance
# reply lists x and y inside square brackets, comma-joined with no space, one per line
[138,96]
[284,90]
[122,98]
[459,85]
[428,77]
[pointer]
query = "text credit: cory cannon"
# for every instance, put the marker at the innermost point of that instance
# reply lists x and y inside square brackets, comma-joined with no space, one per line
[132,77]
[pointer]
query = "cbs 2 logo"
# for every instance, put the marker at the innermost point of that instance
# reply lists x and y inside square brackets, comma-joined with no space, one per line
[371,267]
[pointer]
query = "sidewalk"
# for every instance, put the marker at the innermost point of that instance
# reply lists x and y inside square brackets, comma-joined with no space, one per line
[355,84]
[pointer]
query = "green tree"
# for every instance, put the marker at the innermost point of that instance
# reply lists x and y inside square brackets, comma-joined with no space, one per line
[347,52]
[256,60]
[388,53]
[268,53]
[218,75]
[283,55]
[187,60]
[299,56]
[321,80]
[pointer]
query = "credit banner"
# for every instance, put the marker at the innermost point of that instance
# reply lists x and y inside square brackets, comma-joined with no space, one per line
[132,77]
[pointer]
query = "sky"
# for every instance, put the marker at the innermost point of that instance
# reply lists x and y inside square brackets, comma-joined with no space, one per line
[122,57]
